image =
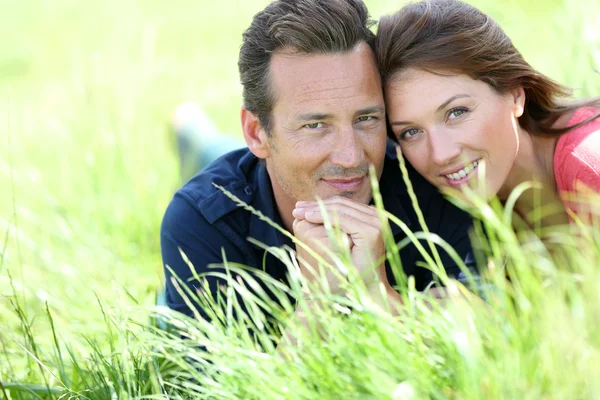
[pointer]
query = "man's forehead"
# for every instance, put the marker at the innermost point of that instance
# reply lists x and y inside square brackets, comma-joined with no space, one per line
[319,78]
[286,57]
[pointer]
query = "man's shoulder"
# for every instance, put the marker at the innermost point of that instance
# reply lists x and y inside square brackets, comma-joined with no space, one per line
[203,221]
[235,172]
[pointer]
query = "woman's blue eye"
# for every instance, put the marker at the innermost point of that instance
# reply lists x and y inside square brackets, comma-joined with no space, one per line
[457,112]
[408,133]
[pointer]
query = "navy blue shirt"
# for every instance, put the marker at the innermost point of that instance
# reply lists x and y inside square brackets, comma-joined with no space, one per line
[204,223]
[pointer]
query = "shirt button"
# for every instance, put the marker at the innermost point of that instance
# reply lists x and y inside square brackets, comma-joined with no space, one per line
[248,190]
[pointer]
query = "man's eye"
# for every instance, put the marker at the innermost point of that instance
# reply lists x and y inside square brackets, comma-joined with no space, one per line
[364,118]
[408,133]
[314,125]
[457,112]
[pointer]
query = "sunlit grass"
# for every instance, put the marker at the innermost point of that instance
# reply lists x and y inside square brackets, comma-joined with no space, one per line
[86,170]
[535,336]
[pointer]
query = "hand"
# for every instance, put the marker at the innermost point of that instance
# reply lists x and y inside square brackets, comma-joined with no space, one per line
[317,238]
[362,227]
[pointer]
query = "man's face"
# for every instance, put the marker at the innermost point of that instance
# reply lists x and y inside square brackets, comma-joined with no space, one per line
[328,125]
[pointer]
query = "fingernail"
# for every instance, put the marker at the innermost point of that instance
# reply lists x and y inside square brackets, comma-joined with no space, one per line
[297,212]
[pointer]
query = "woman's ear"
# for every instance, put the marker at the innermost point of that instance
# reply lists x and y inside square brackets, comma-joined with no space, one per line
[255,135]
[518,96]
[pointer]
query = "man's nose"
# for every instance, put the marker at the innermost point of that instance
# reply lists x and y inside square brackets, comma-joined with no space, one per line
[348,149]
[444,148]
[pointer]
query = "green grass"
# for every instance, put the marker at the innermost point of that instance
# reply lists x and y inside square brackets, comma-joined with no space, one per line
[86,170]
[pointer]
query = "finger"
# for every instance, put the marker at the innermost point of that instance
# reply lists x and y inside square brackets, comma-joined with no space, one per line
[336,214]
[337,200]
[299,213]
[361,234]
[340,206]
[317,238]
[313,235]
[308,232]
[301,227]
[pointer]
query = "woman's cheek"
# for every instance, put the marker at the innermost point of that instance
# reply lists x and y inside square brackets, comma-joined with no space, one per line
[415,154]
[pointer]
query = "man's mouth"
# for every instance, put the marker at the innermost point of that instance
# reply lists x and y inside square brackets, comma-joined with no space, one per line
[346,184]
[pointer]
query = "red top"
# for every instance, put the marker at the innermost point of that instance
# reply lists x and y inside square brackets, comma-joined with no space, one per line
[577,156]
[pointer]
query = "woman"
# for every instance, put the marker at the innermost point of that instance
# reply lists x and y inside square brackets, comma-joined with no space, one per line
[467,109]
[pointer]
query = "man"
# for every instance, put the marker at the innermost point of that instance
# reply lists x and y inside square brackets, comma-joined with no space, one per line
[314,121]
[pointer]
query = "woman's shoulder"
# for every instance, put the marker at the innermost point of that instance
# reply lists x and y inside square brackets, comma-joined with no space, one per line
[584,137]
[583,113]
[577,153]
[575,116]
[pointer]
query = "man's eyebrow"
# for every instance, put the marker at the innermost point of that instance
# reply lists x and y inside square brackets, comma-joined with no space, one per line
[371,110]
[441,107]
[321,116]
[313,117]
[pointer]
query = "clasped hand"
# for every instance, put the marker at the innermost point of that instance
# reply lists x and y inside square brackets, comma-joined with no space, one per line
[363,239]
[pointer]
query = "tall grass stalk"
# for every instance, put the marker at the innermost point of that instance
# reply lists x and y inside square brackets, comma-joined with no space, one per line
[86,171]
[534,336]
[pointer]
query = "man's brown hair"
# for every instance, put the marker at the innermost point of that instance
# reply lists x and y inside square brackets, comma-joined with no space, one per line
[302,26]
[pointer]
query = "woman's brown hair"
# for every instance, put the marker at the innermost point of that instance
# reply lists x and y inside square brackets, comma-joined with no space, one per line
[449,36]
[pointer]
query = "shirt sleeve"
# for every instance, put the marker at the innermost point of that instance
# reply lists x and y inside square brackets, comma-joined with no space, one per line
[184,228]
[580,171]
[577,155]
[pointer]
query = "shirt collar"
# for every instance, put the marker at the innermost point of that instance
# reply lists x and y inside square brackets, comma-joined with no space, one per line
[265,202]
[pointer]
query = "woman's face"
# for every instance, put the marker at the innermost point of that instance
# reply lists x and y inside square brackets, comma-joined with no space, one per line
[454,129]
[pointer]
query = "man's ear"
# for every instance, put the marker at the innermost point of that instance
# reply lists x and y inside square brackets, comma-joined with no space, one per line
[254,134]
[518,96]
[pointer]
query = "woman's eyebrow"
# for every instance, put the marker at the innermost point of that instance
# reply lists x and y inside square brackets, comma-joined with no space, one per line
[450,100]
[441,107]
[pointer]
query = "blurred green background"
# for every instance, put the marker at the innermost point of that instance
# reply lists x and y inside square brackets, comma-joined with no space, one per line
[86,164]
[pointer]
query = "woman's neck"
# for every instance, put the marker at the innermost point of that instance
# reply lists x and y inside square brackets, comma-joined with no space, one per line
[535,162]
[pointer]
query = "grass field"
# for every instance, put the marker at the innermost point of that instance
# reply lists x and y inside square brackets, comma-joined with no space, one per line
[87,168]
